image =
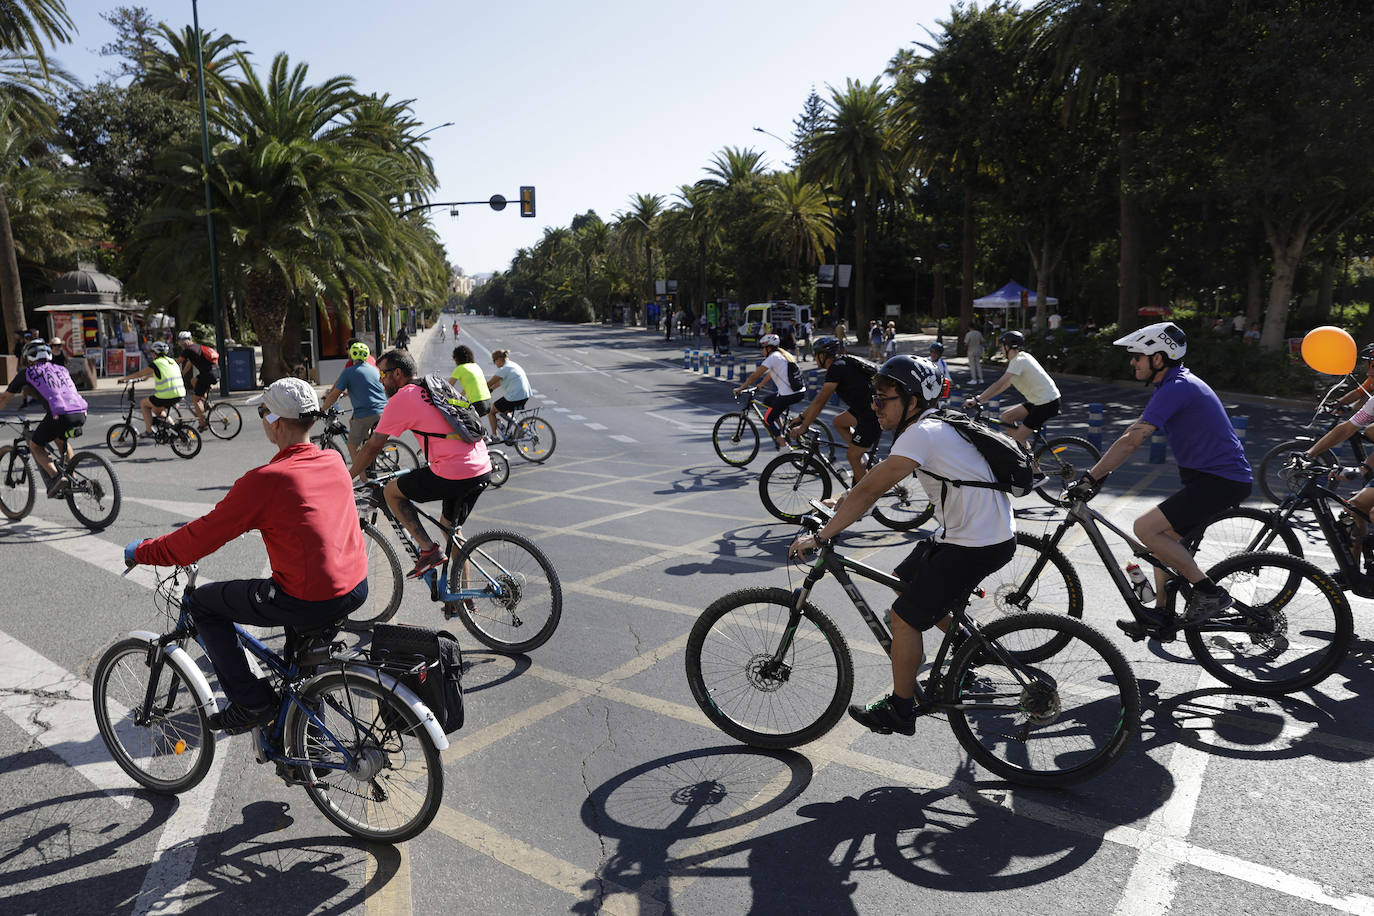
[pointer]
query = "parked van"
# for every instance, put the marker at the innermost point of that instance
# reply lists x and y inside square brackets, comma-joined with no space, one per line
[761,318]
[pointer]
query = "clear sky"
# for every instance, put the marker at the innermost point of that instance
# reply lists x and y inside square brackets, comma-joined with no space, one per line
[590,103]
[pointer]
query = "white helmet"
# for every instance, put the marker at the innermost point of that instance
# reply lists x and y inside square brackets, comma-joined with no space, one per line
[183,335]
[769,340]
[1164,337]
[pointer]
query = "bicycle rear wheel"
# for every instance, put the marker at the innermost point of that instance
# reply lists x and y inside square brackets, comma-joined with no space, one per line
[1274,478]
[788,484]
[535,439]
[173,750]
[390,785]
[394,456]
[750,696]
[225,421]
[93,490]
[1289,628]
[905,507]
[1020,588]
[1241,529]
[1063,460]
[522,599]
[1051,723]
[385,581]
[17,489]
[736,439]
[500,466]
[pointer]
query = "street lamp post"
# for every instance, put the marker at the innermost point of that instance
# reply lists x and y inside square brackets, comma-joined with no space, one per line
[215,306]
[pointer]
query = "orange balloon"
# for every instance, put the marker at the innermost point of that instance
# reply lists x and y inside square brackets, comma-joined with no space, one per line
[1329,350]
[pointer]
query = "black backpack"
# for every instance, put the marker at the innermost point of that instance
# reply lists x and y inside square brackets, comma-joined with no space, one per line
[794,376]
[463,421]
[1013,469]
[429,662]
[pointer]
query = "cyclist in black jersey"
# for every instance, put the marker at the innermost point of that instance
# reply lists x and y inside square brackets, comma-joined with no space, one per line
[850,378]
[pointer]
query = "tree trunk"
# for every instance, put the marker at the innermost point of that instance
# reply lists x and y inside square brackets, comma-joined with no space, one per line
[11,291]
[265,301]
[1254,281]
[966,288]
[1287,256]
[860,292]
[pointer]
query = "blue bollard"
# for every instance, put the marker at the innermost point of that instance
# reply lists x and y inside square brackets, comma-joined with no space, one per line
[1157,448]
[686,359]
[696,360]
[1095,425]
[705,363]
[717,362]
[1240,425]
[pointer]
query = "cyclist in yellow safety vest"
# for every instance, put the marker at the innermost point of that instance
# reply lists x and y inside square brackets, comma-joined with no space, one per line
[169,386]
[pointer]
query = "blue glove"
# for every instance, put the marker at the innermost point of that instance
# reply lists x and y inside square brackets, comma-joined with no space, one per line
[129,549]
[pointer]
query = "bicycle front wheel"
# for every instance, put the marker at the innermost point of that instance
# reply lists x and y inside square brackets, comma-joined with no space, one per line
[185,440]
[387,783]
[736,439]
[1274,475]
[1038,579]
[1241,529]
[521,599]
[225,421]
[122,439]
[788,484]
[385,580]
[1063,460]
[535,439]
[750,693]
[1289,628]
[93,490]
[166,747]
[905,507]
[17,489]
[827,438]
[500,466]
[1052,723]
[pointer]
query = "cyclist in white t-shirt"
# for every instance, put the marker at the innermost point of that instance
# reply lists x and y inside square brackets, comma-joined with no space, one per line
[1032,382]
[783,370]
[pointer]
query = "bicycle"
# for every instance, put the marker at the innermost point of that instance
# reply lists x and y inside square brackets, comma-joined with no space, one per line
[530,434]
[1274,478]
[122,438]
[1289,628]
[790,481]
[1038,699]
[89,485]
[521,599]
[361,744]
[1062,459]
[222,419]
[736,435]
[394,456]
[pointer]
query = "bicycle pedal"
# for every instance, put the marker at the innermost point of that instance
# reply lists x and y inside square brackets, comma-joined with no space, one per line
[1135,629]
[259,751]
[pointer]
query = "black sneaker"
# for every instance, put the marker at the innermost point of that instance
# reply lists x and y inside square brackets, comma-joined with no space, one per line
[58,488]
[883,718]
[236,719]
[1203,606]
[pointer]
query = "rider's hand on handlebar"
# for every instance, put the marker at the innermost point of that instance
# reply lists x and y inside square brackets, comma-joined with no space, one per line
[1354,472]
[1084,488]
[807,542]
[129,548]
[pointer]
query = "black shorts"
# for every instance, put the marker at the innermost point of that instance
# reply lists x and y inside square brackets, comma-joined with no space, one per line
[204,382]
[505,406]
[866,428]
[163,402]
[1037,414]
[422,485]
[483,407]
[50,427]
[1203,496]
[937,578]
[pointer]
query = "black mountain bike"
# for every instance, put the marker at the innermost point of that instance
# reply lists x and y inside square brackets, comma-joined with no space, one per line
[1275,469]
[89,485]
[1038,699]
[394,456]
[122,438]
[736,435]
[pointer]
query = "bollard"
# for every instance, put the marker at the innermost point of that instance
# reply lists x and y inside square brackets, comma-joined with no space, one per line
[705,363]
[717,362]
[1240,425]
[1157,444]
[686,359]
[1095,425]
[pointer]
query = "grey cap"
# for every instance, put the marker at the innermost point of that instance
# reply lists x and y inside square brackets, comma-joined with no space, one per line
[288,397]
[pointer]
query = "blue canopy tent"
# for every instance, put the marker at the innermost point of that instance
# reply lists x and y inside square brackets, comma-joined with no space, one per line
[1009,297]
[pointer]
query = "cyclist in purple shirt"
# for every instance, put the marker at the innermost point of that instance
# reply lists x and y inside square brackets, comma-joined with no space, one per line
[66,409]
[1211,461]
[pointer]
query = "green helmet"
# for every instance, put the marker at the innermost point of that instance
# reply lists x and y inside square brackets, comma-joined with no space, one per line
[359,352]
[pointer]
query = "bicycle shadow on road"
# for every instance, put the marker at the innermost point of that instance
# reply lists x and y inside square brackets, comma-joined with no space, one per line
[748,549]
[709,479]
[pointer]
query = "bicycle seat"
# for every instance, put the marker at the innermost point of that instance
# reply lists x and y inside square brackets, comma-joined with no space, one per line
[306,648]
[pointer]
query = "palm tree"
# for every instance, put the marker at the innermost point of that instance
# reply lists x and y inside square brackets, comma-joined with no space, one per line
[853,154]
[172,70]
[699,226]
[26,26]
[797,223]
[639,227]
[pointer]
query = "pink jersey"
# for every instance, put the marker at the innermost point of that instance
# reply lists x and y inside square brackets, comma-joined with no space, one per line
[453,459]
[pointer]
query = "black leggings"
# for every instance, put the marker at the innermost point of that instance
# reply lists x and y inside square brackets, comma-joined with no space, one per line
[776,404]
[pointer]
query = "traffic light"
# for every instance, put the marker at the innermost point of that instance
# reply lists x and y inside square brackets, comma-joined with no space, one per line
[527,200]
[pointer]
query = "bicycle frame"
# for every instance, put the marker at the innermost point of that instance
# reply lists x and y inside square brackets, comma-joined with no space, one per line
[1317,497]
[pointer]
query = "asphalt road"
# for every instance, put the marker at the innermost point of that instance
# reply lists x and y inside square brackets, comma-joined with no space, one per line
[586,780]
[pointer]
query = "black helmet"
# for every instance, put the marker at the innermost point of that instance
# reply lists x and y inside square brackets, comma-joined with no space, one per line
[915,375]
[828,345]
[1013,339]
[937,347]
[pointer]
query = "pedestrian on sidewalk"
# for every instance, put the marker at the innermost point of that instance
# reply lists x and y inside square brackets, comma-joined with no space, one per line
[973,345]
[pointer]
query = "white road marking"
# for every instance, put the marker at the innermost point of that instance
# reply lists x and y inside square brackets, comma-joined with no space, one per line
[626,439]
[576,416]
[595,426]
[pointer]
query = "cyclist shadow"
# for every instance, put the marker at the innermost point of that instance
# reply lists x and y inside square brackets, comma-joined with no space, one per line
[708,479]
[749,548]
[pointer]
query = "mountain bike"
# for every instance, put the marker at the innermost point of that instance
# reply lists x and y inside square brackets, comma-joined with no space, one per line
[1038,699]
[530,434]
[1289,626]
[792,480]
[736,435]
[394,456]
[123,437]
[498,583]
[361,744]
[1062,459]
[89,485]
[222,419]
[1274,476]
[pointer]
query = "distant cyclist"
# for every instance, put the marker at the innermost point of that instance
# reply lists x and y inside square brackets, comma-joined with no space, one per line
[204,361]
[50,383]
[361,381]
[1211,461]
[168,387]
[850,378]
[781,367]
[1032,382]
[514,385]
[467,378]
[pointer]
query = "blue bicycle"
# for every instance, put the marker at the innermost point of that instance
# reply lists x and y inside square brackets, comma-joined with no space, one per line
[361,744]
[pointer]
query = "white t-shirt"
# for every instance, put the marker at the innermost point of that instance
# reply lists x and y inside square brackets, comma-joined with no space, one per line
[973,341]
[968,516]
[1031,379]
[1055,321]
[777,371]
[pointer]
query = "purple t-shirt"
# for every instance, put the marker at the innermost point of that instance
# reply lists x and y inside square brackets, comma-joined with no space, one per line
[54,385]
[1193,420]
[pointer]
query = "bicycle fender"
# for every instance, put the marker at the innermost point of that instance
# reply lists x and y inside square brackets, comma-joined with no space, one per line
[407,696]
[189,670]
